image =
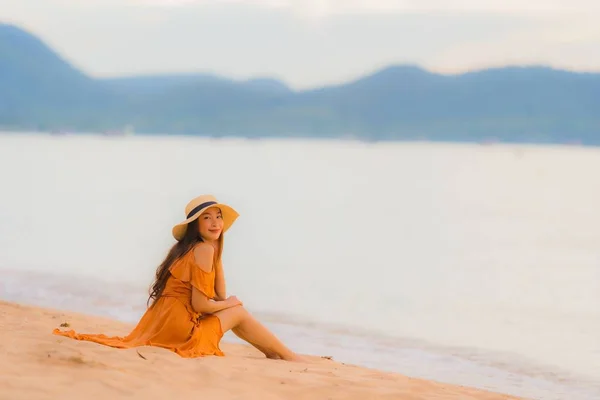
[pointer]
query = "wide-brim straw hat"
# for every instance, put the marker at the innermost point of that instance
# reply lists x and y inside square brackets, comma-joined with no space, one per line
[197,206]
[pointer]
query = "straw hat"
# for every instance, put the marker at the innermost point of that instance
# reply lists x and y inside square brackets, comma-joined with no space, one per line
[197,206]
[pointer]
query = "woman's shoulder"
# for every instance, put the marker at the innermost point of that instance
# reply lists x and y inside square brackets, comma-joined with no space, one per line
[203,255]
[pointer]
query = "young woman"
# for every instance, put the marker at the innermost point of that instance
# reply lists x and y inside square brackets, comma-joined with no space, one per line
[190,310]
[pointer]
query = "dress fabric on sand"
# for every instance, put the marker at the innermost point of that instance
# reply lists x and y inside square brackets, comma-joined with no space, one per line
[171,322]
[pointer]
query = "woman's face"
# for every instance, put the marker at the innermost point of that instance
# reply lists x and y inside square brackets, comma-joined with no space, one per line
[210,224]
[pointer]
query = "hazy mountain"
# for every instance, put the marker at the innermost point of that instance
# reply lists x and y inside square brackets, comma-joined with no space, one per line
[40,90]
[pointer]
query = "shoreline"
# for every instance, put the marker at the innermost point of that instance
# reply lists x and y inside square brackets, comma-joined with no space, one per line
[483,142]
[40,365]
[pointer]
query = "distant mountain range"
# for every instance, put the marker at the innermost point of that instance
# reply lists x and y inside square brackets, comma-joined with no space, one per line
[41,91]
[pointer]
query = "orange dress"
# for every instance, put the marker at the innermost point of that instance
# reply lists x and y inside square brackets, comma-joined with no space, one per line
[171,322]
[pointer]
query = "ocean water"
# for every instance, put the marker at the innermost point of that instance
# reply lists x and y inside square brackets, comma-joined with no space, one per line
[464,263]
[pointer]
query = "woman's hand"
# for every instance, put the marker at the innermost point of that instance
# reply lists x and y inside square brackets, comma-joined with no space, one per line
[233,301]
[203,305]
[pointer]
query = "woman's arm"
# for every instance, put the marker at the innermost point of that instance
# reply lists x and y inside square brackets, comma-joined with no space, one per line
[203,305]
[220,287]
[203,255]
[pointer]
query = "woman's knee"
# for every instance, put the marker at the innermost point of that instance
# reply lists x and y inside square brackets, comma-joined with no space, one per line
[232,317]
[242,310]
[240,313]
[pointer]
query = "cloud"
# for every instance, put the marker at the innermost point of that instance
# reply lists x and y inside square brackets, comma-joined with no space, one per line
[309,43]
[559,42]
[332,7]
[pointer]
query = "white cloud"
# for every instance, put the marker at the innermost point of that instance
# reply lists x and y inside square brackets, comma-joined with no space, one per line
[333,7]
[329,7]
[310,42]
[558,42]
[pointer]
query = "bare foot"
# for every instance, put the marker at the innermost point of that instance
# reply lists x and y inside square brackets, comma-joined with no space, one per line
[296,358]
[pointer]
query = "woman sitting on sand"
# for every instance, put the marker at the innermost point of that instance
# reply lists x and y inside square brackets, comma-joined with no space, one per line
[190,311]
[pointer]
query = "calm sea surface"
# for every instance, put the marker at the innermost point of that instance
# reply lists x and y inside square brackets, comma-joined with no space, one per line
[469,264]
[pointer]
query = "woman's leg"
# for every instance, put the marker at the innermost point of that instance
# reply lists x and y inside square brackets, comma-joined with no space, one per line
[268,353]
[249,329]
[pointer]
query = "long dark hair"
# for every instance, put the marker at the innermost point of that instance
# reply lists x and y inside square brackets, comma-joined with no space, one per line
[179,249]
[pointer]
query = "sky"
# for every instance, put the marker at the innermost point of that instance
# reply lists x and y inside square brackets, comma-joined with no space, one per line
[311,43]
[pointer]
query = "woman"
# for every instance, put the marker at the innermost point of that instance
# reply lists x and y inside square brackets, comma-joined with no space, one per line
[190,310]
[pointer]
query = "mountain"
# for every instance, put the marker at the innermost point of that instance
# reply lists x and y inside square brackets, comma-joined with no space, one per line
[41,90]
[512,103]
[37,87]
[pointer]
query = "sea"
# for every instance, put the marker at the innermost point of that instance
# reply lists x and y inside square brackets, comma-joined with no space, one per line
[466,263]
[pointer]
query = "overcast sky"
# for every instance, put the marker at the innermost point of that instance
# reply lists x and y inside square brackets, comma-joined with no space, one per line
[309,43]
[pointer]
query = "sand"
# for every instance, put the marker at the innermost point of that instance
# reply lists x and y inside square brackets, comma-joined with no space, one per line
[34,364]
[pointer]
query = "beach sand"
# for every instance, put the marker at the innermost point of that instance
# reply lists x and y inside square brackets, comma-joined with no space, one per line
[35,364]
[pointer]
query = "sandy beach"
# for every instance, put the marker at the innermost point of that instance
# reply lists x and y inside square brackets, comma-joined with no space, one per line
[38,365]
